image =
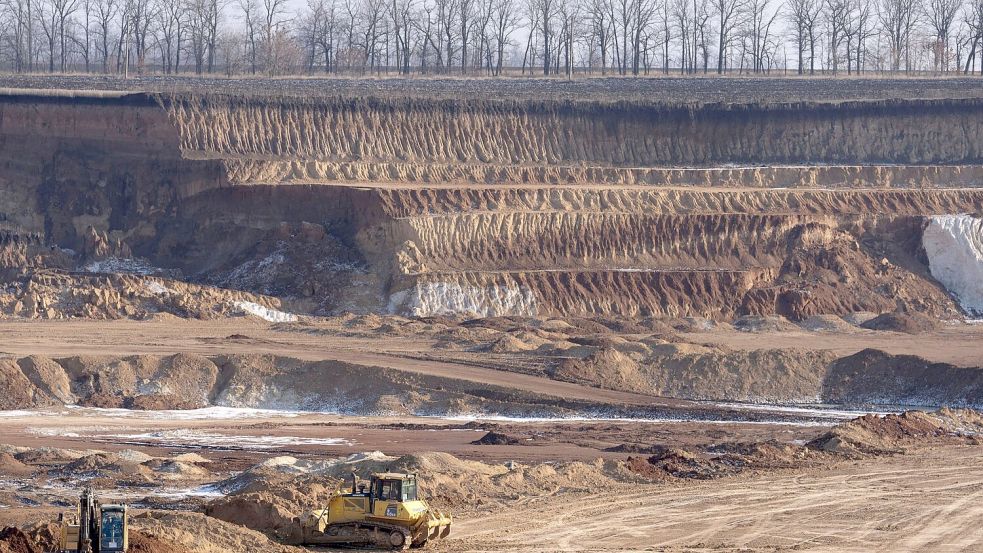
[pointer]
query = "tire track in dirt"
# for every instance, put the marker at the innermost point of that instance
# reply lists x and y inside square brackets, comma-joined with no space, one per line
[924,501]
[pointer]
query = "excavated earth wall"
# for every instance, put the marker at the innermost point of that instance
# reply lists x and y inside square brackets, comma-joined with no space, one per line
[537,208]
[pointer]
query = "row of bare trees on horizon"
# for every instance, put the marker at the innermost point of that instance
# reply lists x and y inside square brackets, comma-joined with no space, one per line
[492,37]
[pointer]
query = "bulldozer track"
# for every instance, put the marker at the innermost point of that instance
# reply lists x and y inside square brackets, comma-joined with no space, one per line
[927,501]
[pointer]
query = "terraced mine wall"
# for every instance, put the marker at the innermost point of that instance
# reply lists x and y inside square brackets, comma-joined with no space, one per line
[491,208]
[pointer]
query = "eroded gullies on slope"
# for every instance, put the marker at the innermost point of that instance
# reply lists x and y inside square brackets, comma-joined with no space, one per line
[484,207]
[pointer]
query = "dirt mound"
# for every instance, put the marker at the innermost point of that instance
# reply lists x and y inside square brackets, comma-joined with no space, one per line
[826,323]
[101,465]
[10,466]
[876,435]
[907,322]
[263,512]
[508,344]
[496,438]
[49,455]
[142,543]
[635,448]
[763,324]
[202,534]
[718,460]
[605,368]
[875,377]
[176,469]
[681,463]
[193,458]
[13,540]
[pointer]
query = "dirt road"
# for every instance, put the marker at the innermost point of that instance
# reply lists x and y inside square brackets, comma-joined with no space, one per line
[929,501]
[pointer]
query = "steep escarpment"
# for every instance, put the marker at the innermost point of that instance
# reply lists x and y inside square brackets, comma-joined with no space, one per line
[636,252]
[491,207]
[111,162]
[594,134]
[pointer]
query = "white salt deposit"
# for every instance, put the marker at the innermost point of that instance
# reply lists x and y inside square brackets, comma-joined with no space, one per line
[121,265]
[954,246]
[441,298]
[265,313]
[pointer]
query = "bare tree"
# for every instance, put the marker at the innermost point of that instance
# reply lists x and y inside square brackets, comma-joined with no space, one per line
[47,15]
[170,36]
[837,15]
[898,19]
[546,12]
[250,16]
[973,19]
[684,24]
[804,17]
[940,15]
[729,14]
[105,13]
[505,19]
[758,34]
[273,16]
[400,12]
[20,14]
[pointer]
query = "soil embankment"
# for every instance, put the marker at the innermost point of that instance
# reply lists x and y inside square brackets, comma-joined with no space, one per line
[487,207]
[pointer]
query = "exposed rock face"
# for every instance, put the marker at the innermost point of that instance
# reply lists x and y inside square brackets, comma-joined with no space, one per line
[238,193]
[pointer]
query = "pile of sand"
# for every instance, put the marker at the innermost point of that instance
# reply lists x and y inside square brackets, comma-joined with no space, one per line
[826,323]
[203,534]
[142,543]
[259,511]
[10,466]
[908,322]
[509,344]
[605,368]
[763,324]
[102,465]
[50,455]
[270,501]
[170,468]
[58,295]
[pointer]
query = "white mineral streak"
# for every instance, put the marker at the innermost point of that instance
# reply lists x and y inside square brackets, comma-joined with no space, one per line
[954,246]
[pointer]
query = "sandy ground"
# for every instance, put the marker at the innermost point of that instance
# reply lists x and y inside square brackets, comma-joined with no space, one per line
[957,344]
[930,501]
[926,500]
[126,337]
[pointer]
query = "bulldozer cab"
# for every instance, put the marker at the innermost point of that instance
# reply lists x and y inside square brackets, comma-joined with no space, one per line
[388,491]
[394,487]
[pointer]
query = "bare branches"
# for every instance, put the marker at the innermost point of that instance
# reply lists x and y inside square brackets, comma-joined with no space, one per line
[491,37]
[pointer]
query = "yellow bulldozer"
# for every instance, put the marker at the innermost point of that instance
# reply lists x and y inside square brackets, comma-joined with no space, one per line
[387,512]
[95,527]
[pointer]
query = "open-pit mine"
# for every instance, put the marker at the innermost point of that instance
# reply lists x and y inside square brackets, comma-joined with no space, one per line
[609,314]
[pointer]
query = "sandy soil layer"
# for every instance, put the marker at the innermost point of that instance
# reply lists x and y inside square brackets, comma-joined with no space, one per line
[924,502]
[957,344]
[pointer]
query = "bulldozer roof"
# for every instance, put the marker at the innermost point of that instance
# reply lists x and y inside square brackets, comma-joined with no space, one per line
[392,476]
